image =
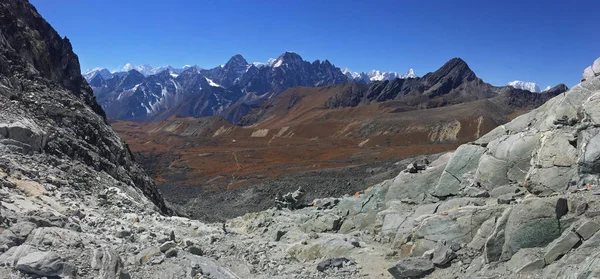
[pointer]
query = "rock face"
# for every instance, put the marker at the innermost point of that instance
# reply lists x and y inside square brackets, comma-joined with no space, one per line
[48,107]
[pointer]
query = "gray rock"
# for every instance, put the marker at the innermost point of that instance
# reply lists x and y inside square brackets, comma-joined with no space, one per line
[195,250]
[335,262]
[442,255]
[8,239]
[588,73]
[123,233]
[167,245]
[476,192]
[492,172]
[109,264]
[22,229]
[10,257]
[561,246]
[279,234]
[411,268]
[526,260]
[596,66]
[325,203]
[464,160]
[172,252]
[532,223]
[588,229]
[323,223]
[495,241]
[581,208]
[147,255]
[42,264]
[27,133]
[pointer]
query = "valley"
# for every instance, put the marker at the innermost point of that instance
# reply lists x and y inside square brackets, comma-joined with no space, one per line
[205,163]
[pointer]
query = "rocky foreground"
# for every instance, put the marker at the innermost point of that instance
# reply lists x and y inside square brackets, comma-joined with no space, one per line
[519,202]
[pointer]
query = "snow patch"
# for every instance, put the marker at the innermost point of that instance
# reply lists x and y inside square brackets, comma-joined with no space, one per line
[212,83]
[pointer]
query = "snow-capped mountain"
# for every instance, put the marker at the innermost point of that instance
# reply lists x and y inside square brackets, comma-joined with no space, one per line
[92,73]
[409,74]
[262,64]
[525,85]
[376,75]
[148,70]
[144,92]
[547,88]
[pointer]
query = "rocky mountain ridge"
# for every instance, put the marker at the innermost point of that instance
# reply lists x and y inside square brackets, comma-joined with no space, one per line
[144,93]
[453,83]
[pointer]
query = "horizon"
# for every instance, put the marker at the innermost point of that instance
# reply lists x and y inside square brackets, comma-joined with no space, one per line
[546,42]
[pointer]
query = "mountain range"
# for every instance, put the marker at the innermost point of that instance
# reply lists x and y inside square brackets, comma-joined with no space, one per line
[234,89]
[376,75]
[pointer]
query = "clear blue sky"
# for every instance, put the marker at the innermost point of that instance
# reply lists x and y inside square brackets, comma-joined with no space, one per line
[545,41]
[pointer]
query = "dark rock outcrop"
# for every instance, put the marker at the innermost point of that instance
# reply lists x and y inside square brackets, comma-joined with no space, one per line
[47,107]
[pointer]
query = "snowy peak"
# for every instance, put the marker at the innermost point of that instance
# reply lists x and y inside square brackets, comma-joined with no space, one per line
[288,58]
[92,73]
[409,74]
[376,75]
[352,75]
[526,85]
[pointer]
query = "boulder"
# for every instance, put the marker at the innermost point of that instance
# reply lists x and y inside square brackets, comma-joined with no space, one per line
[25,132]
[323,223]
[108,264]
[22,230]
[588,73]
[412,188]
[526,260]
[411,268]
[491,172]
[464,160]
[533,223]
[587,229]
[167,245]
[44,264]
[56,237]
[171,252]
[561,246]
[596,66]
[442,255]
[457,226]
[10,257]
[195,250]
[333,246]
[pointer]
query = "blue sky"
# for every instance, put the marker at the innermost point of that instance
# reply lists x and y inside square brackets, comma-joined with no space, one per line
[547,42]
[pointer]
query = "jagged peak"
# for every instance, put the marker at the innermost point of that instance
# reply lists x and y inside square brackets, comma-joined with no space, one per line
[288,57]
[236,60]
[455,68]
